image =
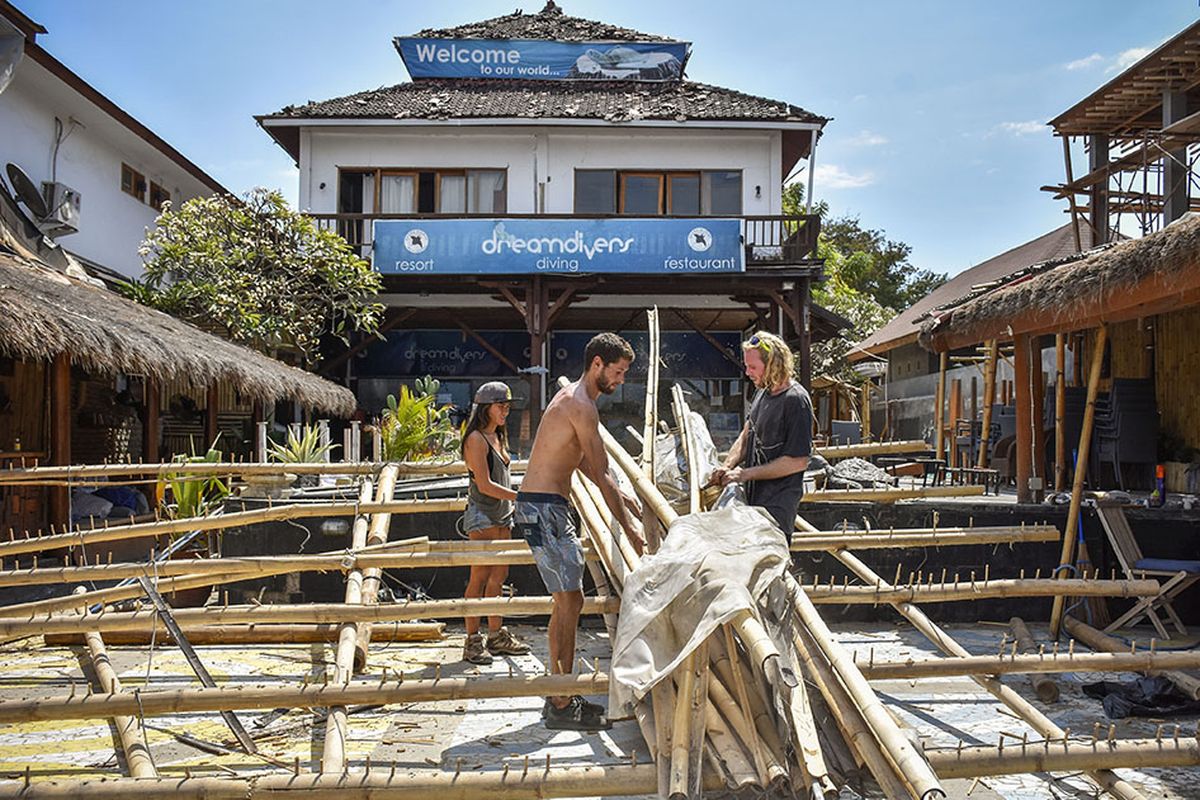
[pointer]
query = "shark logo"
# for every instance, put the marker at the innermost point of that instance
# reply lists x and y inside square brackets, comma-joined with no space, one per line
[415,241]
[700,239]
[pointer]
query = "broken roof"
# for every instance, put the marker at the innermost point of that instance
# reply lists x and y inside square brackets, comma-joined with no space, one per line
[550,23]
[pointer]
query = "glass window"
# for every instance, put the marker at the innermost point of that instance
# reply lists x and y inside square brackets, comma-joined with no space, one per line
[486,191]
[158,196]
[721,193]
[133,182]
[683,195]
[396,194]
[641,193]
[452,194]
[595,191]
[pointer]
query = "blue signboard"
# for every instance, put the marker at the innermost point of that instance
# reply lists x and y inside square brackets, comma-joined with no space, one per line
[443,354]
[537,59]
[531,246]
[683,354]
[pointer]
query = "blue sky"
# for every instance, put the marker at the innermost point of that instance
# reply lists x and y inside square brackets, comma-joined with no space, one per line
[939,108]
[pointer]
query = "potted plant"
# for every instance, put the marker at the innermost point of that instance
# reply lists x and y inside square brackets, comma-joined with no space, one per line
[304,448]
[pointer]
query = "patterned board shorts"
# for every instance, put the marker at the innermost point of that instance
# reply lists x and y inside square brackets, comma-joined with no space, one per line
[544,520]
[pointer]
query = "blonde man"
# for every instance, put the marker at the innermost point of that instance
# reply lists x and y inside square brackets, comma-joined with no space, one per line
[771,453]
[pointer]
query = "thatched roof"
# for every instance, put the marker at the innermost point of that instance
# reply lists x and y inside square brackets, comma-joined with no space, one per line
[1138,277]
[44,313]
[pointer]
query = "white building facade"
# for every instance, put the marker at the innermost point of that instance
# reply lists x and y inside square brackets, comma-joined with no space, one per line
[112,172]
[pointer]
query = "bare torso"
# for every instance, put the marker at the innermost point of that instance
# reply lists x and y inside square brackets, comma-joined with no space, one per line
[556,447]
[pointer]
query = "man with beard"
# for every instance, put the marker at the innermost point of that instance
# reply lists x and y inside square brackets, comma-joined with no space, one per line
[567,439]
[771,453]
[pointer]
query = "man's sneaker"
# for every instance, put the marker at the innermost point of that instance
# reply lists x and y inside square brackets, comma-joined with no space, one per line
[503,643]
[575,716]
[593,709]
[474,652]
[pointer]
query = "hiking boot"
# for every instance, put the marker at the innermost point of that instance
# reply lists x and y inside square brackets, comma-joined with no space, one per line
[474,652]
[503,643]
[593,709]
[575,716]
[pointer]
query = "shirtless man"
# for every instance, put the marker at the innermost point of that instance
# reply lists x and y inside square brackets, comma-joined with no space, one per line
[568,438]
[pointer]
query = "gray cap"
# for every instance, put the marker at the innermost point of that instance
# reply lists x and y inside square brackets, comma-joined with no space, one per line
[493,392]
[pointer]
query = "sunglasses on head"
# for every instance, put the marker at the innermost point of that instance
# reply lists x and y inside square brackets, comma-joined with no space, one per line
[760,342]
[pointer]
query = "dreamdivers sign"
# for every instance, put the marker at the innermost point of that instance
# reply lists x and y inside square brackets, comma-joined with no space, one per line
[531,59]
[531,246]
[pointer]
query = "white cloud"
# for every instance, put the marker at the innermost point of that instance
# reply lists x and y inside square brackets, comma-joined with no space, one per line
[1022,128]
[1085,62]
[867,139]
[831,176]
[1127,58]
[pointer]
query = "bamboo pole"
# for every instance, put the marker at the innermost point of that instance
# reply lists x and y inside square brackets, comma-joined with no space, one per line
[1060,412]
[237,519]
[76,472]
[936,537]
[377,534]
[683,422]
[907,762]
[1063,755]
[1019,705]
[1033,664]
[1043,686]
[129,730]
[333,758]
[983,590]
[387,691]
[989,399]
[890,495]
[939,408]
[532,783]
[144,619]
[261,634]
[1098,640]
[873,449]
[1081,461]
[648,461]
[681,734]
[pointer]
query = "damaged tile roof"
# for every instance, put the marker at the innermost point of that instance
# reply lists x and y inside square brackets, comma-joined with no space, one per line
[550,23]
[613,101]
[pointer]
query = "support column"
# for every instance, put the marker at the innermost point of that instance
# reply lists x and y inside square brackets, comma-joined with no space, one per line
[1060,412]
[210,416]
[150,417]
[989,398]
[1097,158]
[939,408]
[1175,169]
[804,330]
[535,317]
[1024,402]
[1037,421]
[60,434]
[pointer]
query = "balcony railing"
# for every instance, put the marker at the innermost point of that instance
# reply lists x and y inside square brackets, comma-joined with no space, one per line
[770,241]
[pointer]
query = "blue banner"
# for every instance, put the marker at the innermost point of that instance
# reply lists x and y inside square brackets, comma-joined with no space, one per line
[537,59]
[531,246]
[443,354]
[683,354]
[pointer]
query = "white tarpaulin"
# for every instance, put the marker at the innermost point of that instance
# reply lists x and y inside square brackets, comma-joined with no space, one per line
[711,566]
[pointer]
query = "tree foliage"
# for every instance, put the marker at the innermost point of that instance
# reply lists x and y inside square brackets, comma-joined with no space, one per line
[261,272]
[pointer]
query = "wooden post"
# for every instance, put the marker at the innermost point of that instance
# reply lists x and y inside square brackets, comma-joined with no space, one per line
[377,535]
[1085,442]
[1043,685]
[939,408]
[210,417]
[60,434]
[989,399]
[150,421]
[649,522]
[804,332]
[1021,381]
[1101,642]
[952,418]
[1037,418]
[866,410]
[1060,409]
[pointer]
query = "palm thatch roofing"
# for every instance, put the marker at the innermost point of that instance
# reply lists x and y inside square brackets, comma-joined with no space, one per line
[1127,280]
[45,313]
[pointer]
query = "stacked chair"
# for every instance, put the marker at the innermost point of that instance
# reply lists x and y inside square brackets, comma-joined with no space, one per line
[1126,429]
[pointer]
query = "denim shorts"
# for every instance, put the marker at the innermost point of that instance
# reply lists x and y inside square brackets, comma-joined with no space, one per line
[474,519]
[544,521]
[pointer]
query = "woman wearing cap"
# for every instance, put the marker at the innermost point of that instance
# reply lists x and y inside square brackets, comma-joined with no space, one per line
[489,514]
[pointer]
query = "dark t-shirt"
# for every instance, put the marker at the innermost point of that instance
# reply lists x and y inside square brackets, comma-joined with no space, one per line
[780,425]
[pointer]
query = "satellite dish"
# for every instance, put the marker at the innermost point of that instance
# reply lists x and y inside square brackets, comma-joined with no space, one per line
[27,192]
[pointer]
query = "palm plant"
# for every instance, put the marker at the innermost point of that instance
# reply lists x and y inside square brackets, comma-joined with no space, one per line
[306,448]
[194,495]
[415,428]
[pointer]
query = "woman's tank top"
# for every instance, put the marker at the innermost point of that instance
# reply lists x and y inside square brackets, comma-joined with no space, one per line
[496,510]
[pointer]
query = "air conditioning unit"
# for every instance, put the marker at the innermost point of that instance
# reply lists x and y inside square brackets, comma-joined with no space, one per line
[63,204]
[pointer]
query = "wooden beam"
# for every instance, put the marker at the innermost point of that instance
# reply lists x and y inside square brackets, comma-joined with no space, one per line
[212,406]
[868,449]
[377,536]
[890,495]
[979,590]
[1044,687]
[31,476]
[60,434]
[939,408]
[989,399]
[953,416]
[1067,559]
[150,420]
[1060,412]
[1187,684]
[261,634]
[1063,755]
[1037,417]
[1035,664]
